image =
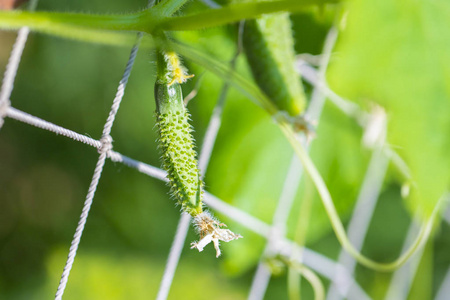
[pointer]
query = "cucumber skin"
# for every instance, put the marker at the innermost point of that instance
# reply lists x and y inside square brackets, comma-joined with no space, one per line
[176,144]
[268,44]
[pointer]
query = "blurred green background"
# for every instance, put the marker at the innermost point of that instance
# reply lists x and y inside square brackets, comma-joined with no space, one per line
[44,177]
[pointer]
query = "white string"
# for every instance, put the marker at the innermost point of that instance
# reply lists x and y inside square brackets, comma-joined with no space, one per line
[11,71]
[174,256]
[121,89]
[13,64]
[37,122]
[106,145]
[79,230]
[260,282]
[140,166]
[262,276]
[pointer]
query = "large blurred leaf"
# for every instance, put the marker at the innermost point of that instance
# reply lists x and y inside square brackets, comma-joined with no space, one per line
[397,53]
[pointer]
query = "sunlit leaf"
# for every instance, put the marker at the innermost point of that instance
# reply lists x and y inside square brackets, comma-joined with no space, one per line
[397,53]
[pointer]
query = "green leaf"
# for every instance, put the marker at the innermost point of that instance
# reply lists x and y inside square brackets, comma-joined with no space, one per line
[397,54]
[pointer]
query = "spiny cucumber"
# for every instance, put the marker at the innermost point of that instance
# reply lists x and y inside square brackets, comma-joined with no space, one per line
[179,158]
[175,139]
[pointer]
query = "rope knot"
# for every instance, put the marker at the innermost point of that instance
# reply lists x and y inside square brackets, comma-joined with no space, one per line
[106,146]
[4,105]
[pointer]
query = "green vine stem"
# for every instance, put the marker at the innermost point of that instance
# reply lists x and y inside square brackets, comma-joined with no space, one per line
[63,23]
[313,279]
[235,12]
[424,233]
[149,21]
[310,276]
[46,23]
[250,90]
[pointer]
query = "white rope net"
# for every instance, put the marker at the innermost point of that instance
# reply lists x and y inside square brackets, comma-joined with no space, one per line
[340,272]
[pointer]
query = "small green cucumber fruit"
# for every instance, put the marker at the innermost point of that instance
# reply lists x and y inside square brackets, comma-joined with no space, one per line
[176,143]
[269,46]
[178,154]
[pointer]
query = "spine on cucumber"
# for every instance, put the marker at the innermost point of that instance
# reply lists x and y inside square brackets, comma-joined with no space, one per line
[175,139]
[269,46]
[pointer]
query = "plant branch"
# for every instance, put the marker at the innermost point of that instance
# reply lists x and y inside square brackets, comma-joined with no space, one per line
[234,13]
[148,21]
[54,22]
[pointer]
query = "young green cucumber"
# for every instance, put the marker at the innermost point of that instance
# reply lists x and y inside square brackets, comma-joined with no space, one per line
[269,46]
[178,155]
[175,139]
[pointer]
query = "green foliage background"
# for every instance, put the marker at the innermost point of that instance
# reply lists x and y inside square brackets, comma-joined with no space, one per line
[396,53]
